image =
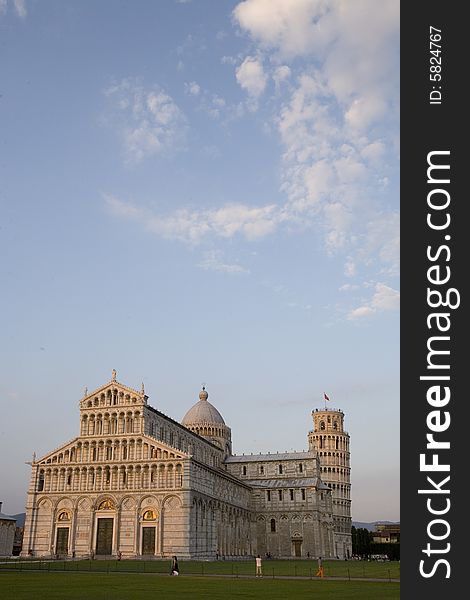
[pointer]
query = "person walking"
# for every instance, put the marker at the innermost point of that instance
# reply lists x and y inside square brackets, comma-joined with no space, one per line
[320,572]
[175,570]
[259,570]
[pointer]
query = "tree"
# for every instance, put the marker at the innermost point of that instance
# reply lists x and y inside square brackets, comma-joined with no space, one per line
[361,540]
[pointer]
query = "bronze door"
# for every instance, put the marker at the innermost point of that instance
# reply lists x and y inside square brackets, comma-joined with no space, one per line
[148,540]
[104,537]
[297,548]
[62,541]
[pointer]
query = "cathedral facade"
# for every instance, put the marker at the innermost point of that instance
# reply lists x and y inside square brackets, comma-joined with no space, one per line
[135,482]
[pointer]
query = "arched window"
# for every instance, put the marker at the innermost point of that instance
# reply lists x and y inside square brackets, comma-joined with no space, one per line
[41,481]
[322,425]
[280,469]
[273,525]
[244,470]
[179,476]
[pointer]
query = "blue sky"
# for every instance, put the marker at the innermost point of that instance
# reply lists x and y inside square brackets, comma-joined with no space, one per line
[202,191]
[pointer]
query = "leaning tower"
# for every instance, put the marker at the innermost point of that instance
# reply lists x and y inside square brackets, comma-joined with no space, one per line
[331,442]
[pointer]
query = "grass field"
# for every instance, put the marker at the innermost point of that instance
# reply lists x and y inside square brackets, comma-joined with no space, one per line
[27,585]
[276,568]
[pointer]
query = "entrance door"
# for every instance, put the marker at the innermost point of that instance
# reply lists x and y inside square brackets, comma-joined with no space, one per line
[62,542]
[104,536]
[297,547]
[148,540]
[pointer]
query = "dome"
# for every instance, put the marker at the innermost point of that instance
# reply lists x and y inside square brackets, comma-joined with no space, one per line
[202,412]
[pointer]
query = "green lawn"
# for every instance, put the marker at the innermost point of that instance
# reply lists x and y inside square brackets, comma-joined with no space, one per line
[292,568]
[67,585]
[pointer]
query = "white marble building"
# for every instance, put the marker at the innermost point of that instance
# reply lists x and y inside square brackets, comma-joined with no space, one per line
[137,482]
[7,533]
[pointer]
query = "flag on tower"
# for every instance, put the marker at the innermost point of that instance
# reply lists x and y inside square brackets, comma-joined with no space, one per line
[325,396]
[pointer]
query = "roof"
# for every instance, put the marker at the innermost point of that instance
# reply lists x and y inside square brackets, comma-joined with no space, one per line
[202,412]
[4,517]
[241,458]
[299,482]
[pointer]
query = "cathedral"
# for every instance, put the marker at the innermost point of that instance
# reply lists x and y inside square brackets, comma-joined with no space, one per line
[135,483]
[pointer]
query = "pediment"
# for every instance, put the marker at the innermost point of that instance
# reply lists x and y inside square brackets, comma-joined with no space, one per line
[157,449]
[113,393]
[58,455]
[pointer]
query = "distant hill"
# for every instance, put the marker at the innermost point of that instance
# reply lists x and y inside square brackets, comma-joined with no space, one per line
[20,517]
[371,526]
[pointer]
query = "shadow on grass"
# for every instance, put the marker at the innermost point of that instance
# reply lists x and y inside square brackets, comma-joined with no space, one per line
[66,585]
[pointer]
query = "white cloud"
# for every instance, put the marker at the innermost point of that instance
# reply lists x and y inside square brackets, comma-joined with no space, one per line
[336,113]
[280,75]
[122,209]
[251,76]
[20,8]
[287,25]
[348,287]
[364,111]
[385,298]
[252,222]
[191,226]
[148,120]
[213,261]
[212,104]
[381,240]
[336,127]
[374,151]
[229,60]
[338,220]
[361,312]
[329,174]
[18,5]
[350,267]
[193,88]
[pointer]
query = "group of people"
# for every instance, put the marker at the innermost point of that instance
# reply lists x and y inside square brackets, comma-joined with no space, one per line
[259,570]
[175,570]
